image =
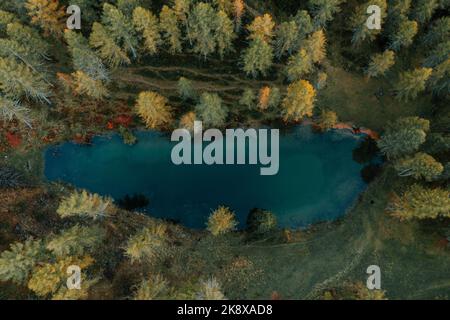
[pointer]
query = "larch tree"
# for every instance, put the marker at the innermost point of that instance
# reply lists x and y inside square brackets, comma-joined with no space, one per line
[210,289]
[248,98]
[258,58]
[154,287]
[221,221]
[299,101]
[187,121]
[380,63]
[264,98]
[315,46]
[146,23]
[238,13]
[262,27]
[226,6]
[186,89]
[299,65]
[147,245]
[224,34]
[6,18]
[286,38]
[358,22]
[211,110]
[85,85]
[83,57]
[202,22]
[48,15]
[420,203]
[403,137]
[83,204]
[170,29]
[182,9]
[106,47]
[403,35]
[304,24]
[128,6]
[411,83]
[153,108]
[419,166]
[323,11]
[12,109]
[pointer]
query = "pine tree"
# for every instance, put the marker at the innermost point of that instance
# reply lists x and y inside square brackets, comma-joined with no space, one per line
[262,27]
[221,221]
[148,245]
[120,29]
[248,98]
[315,46]
[154,109]
[128,6]
[106,48]
[76,240]
[438,55]
[83,204]
[440,78]
[323,11]
[424,9]
[224,34]
[202,22]
[299,65]
[147,24]
[403,35]
[83,57]
[170,29]
[419,166]
[403,137]
[17,81]
[286,39]
[258,58]
[153,288]
[48,15]
[304,24]
[359,20]
[420,203]
[299,101]
[411,83]
[439,32]
[380,63]
[17,262]
[85,85]
[28,38]
[211,111]
[186,89]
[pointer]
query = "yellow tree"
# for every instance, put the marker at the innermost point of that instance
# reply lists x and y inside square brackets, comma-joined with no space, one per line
[85,85]
[262,28]
[264,98]
[238,11]
[48,15]
[147,24]
[170,29]
[299,101]
[153,109]
[221,221]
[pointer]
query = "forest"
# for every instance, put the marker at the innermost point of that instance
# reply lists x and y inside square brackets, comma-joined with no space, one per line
[161,65]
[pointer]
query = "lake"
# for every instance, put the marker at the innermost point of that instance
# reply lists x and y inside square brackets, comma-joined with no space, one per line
[317,179]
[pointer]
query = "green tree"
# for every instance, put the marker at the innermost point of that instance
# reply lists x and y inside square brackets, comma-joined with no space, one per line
[304,24]
[248,98]
[47,14]
[211,111]
[186,89]
[274,98]
[153,108]
[5,19]
[258,58]
[261,221]
[12,109]
[202,22]
[299,101]
[440,78]
[107,49]
[438,55]
[424,9]
[439,32]
[221,221]
[17,262]
[128,6]
[358,22]
[262,28]
[148,245]
[17,81]
[380,63]
[224,33]
[170,29]
[315,46]
[76,240]
[411,83]
[323,11]
[83,57]
[420,203]
[403,137]
[155,287]
[84,204]
[286,38]
[327,120]
[85,85]
[299,65]
[147,24]
[403,35]
[419,166]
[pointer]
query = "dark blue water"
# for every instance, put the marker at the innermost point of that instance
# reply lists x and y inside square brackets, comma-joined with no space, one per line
[317,179]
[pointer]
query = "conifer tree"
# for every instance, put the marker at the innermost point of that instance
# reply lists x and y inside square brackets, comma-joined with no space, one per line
[264,98]
[424,9]
[315,46]
[210,290]
[154,287]
[258,58]
[11,109]
[327,120]
[380,63]
[186,89]
[148,245]
[221,221]
[5,19]
[419,166]
[262,27]
[154,109]
[85,85]
[411,83]
[187,121]
[238,13]
[202,22]
[224,34]
[304,24]
[439,32]
[323,11]
[403,35]
[299,65]
[83,204]
[286,39]
[211,111]
[358,22]
[440,78]
[299,101]
[127,7]
[170,29]
[47,14]
[438,55]
[248,98]
[147,24]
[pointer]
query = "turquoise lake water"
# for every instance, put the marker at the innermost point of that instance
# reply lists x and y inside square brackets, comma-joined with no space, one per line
[317,179]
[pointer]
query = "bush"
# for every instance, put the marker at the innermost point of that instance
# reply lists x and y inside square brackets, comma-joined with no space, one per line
[261,221]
